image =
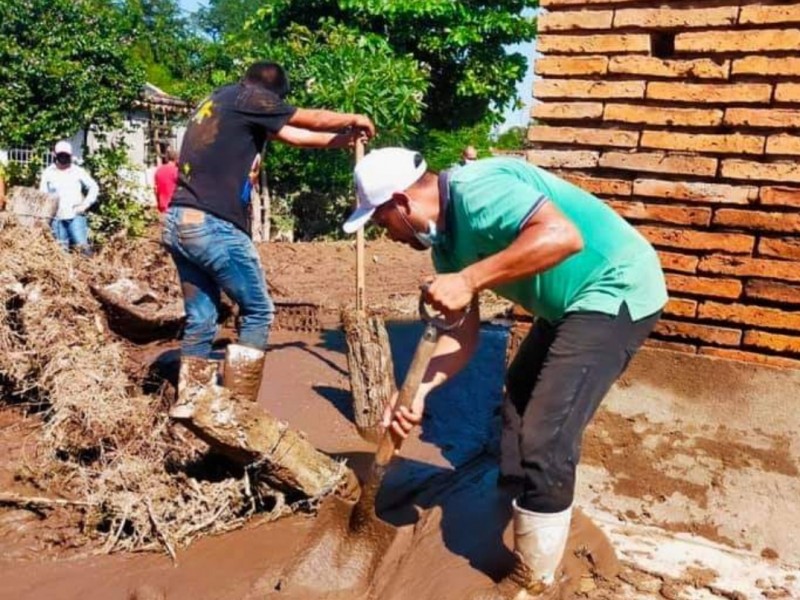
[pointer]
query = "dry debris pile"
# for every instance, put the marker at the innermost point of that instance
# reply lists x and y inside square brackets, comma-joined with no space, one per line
[132,480]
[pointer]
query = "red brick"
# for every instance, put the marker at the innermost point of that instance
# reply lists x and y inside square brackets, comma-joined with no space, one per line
[686,239]
[651,66]
[695,191]
[760,316]
[571,65]
[759,15]
[710,93]
[575,19]
[704,286]
[659,115]
[759,220]
[681,307]
[772,341]
[742,266]
[751,357]
[723,336]
[659,162]
[563,159]
[585,88]
[561,3]
[783,248]
[767,66]
[780,196]
[672,261]
[670,18]
[735,143]
[593,44]
[754,40]
[751,170]
[783,144]
[671,346]
[763,117]
[599,185]
[584,136]
[676,215]
[761,289]
[787,92]
[567,110]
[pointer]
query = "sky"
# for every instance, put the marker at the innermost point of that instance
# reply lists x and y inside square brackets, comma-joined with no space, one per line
[513,118]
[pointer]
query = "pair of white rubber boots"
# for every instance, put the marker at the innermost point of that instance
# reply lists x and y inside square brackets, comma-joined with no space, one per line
[539,543]
[241,376]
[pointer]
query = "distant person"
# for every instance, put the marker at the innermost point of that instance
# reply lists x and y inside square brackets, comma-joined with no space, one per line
[2,187]
[207,229]
[165,180]
[469,155]
[75,191]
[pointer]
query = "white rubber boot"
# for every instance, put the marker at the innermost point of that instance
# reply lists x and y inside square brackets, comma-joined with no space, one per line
[197,376]
[539,543]
[242,371]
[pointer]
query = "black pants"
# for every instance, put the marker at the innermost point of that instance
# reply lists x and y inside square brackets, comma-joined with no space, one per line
[554,385]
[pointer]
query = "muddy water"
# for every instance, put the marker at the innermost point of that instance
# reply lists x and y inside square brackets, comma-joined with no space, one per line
[441,494]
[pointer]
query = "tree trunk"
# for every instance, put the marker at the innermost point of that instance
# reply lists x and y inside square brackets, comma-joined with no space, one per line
[369,358]
[248,434]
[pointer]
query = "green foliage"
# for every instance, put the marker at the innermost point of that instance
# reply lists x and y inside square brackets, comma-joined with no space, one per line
[460,42]
[513,138]
[226,17]
[63,65]
[442,148]
[165,43]
[116,209]
[25,175]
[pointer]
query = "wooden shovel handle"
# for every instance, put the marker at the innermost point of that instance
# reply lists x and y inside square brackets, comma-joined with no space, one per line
[361,277]
[416,372]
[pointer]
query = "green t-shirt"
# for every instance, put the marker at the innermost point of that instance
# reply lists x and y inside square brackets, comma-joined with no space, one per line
[490,200]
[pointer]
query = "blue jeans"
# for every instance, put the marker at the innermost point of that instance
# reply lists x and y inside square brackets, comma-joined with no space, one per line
[72,233]
[212,254]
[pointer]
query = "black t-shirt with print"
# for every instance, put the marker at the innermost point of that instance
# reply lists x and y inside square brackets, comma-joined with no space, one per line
[225,133]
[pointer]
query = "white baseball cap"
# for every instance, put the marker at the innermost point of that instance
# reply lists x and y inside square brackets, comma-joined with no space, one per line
[378,176]
[63,147]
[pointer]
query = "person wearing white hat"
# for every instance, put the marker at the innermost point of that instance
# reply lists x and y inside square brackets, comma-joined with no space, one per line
[593,282]
[75,191]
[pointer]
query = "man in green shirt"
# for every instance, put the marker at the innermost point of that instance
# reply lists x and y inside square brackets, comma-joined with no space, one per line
[593,282]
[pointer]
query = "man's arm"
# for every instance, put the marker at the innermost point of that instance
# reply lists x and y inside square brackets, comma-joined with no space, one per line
[328,120]
[92,190]
[305,138]
[545,240]
[453,351]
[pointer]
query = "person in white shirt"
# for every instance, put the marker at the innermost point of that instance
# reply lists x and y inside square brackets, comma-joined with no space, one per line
[75,191]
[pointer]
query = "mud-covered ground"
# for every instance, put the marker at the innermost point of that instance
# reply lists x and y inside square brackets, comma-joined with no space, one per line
[451,518]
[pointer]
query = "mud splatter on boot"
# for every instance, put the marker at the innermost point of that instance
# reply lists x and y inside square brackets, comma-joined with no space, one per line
[198,376]
[242,371]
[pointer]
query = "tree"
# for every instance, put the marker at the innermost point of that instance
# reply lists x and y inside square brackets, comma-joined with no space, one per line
[226,17]
[63,66]
[164,41]
[461,43]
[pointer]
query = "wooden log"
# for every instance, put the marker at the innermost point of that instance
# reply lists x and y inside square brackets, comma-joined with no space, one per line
[249,435]
[369,358]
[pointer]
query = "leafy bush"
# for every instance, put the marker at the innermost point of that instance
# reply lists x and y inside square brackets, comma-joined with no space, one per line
[117,209]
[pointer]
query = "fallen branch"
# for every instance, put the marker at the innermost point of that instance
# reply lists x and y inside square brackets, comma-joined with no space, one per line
[40,501]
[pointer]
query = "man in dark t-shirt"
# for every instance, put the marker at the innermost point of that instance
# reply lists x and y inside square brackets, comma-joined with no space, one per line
[208,223]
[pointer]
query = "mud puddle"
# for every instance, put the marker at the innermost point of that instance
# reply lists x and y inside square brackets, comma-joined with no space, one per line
[453,521]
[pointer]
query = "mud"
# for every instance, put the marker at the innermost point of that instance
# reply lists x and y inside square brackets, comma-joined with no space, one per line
[450,520]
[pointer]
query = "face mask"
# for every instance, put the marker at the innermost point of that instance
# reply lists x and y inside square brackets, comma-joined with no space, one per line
[428,238]
[63,159]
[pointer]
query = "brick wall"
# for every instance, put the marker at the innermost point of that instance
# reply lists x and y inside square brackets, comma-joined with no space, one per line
[685,117]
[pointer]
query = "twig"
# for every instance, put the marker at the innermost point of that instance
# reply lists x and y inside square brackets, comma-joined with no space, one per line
[17,500]
[158,531]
